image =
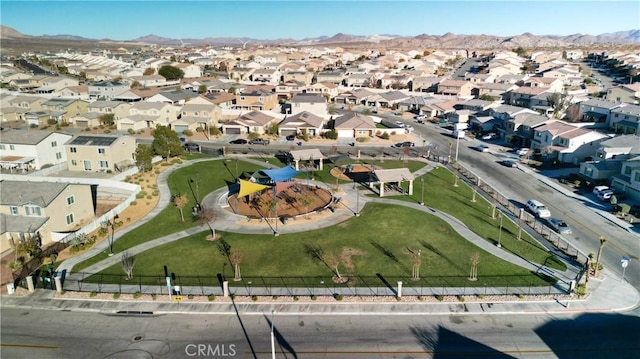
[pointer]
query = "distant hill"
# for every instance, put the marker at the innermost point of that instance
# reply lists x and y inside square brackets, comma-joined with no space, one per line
[448,40]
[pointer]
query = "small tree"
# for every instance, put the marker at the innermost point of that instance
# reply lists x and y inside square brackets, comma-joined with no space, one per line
[128,261]
[475,259]
[603,241]
[202,89]
[149,71]
[108,119]
[416,261]
[180,200]
[170,72]
[235,257]
[306,200]
[166,142]
[333,261]
[208,216]
[144,157]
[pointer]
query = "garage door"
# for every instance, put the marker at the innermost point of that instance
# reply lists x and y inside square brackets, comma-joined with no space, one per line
[82,123]
[233,131]
[287,132]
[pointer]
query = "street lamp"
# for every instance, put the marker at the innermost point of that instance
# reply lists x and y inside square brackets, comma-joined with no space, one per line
[112,223]
[357,202]
[273,342]
[457,144]
[500,233]
[422,183]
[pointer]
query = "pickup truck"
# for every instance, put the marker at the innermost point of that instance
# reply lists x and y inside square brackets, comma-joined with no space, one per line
[259,141]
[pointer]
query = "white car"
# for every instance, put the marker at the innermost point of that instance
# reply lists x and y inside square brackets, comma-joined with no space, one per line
[597,190]
[522,151]
[489,136]
[419,117]
[605,195]
[538,209]
[559,225]
[482,148]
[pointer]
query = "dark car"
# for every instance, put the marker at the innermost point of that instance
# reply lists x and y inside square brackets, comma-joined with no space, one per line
[192,147]
[509,163]
[239,141]
[259,141]
[291,137]
[404,144]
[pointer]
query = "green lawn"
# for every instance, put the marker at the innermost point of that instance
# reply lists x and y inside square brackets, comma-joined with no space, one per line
[383,234]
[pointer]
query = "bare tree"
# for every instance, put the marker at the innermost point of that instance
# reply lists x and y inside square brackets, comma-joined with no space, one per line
[475,259]
[128,261]
[180,200]
[235,257]
[333,261]
[416,261]
[603,241]
[208,216]
[306,200]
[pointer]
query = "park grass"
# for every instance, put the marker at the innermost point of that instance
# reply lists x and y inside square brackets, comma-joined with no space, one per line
[207,176]
[383,234]
[440,193]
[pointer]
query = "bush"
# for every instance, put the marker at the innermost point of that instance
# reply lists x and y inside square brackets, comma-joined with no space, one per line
[116,295]
[461,298]
[51,122]
[137,295]
[440,298]
[133,203]
[107,131]
[190,296]
[521,296]
[362,139]
[153,296]
[274,297]
[338,297]
[254,298]
[481,296]
[187,133]
[211,297]
[314,297]
[253,136]
[385,136]
[131,131]
[295,298]
[398,298]
[93,294]
[232,296]
[214,131]
[331,135]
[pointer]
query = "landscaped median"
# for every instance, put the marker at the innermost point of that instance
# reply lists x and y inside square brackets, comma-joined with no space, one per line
[385,243]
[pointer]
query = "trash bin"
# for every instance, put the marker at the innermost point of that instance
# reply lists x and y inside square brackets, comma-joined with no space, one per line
[11,288]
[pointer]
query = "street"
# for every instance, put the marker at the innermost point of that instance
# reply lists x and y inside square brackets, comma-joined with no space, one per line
[31,333]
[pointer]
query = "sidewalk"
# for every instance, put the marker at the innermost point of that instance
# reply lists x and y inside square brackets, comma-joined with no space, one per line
[606,295]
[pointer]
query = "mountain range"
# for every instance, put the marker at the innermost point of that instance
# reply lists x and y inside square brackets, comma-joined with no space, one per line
[448,40]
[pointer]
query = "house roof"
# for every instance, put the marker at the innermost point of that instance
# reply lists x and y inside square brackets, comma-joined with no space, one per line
[19,193]
[556,128]
[354,120]
[625,141]
[24,137]
[255,117]
[633,110]
[594,102]
[302,119]
[102,141]
[21,224]
[308,98]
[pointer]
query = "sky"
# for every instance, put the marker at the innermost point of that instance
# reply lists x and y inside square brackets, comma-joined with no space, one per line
[268,20]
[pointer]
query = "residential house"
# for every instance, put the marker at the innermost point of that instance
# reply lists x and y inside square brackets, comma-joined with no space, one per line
[95,153]
[198,113]
[550,83]
[426,84]
[116,108]
[286,90]
[106,90]
[439,107]
[353,97]
[476,105]
[255,100]
[354,125]
[301,75]
[389,99]
[190,70]
[518,129]
[326,89]
[522,96]
[455,88]
[301,122]
[80,92]
[30,150]
[152,80]
[271,76]
[565,142]
[309,102]
[62,110]
[56,83]
[597,110]
[254,121]
[625,119]
[16,107]
[495,91]
[46,211]
[628,180]
[625,93]
[144,115]
[335,77]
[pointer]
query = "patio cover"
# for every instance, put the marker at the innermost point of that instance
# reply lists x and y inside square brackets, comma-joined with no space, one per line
[248,187]
[394,175]
[280,174]
[281,186]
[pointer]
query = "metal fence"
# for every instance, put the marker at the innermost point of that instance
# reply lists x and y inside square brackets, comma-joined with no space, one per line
[377,285]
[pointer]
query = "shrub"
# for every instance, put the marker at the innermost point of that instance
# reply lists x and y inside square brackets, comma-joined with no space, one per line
[521,296]
[314,297]
[254,298]
[385,136]
[295,298]
[141,194]
[107,131]
[440,298]
[116,295]
[93,294]
[331,135]
[190,296]
[214,131]
[211,297]
[338,297]
[461,298]
[274,297]
[153,296]
[51,121]
[137,295]
[187,133]
[362,139]
[133,203]
[398,298]
[232,296]
[481,296]
[131,131]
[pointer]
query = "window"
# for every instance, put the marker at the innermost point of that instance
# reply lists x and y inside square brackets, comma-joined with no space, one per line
[1,147]
[103,164]
[33,210]
[74,163]
[12,147]
[54,143]
[71,200]
[101,151]
[58,155]
[73,149]
[14,210]
[69,219]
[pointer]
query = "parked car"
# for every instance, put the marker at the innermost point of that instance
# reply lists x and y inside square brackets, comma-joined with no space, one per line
[404,144]
[605,195]
[597,190]
[192,147]
[521,151]
[419,117]
[291,137]
[482,148]
[259,141]
[489,136]
[400,124]
[537,208]
[509,163]
[559,225]
[239,141]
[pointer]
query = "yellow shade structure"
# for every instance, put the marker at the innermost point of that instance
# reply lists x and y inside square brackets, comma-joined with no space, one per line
[248,187]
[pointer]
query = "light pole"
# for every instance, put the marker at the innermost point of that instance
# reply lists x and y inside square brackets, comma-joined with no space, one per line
[422,183]
[624,262]
[500,233]
[357,202]
[112,223]
[273,342]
